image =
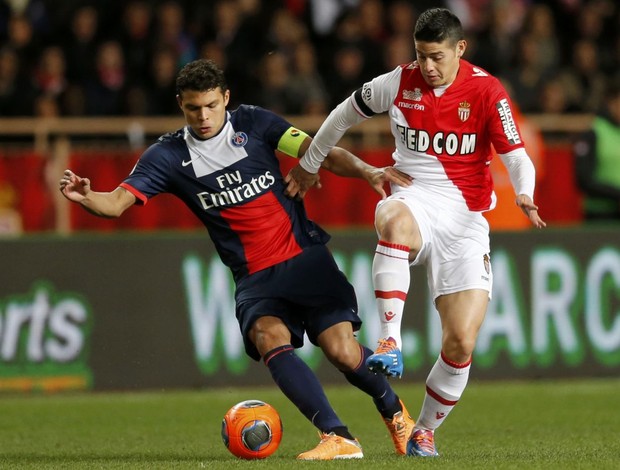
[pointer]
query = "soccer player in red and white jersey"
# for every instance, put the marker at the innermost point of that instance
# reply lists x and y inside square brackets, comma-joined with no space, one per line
[445,115]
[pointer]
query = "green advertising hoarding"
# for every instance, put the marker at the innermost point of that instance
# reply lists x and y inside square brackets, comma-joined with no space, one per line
[157,311]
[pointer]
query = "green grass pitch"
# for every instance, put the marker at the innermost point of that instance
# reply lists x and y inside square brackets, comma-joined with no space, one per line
[559,424]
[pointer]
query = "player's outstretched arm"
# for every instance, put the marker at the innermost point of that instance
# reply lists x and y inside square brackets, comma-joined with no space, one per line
[343,163]
[530,209]
[107,204]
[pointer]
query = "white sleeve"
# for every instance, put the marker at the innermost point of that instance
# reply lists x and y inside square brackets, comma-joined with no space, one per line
[329,134]
[374,97]
[521,170]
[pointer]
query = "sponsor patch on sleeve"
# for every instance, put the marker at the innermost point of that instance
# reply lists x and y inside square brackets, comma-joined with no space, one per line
[508,122]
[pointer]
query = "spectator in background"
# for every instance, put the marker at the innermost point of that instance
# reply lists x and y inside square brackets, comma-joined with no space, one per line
[135,37]
[46,106]
[400,18]
[597,162]
[74,101]
[306,83]
[528,75]
[161,89]
[583,80]
[398,50]
[540,26]
[211,50]
[81,43]
[50,73]
[285,32]
[553,98]
[348,35]
[275,93]
[372,20]
[347,73]
[171,33]
[235,44]
[22,40]
[16,95]
[105,93]
[493,48]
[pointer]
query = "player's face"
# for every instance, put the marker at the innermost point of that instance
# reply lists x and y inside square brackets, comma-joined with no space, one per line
[439,61]
[205,111]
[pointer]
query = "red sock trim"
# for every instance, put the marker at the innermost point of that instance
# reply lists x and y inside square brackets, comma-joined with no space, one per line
[274,352]
[391,294]
[361,362]
[456,365]
[394,246]
[439,398]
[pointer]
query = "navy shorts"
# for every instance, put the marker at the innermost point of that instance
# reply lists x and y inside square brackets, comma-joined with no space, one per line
[307,292]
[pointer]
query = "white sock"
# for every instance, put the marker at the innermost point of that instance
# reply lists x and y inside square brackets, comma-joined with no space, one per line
[444,386]
[391,277]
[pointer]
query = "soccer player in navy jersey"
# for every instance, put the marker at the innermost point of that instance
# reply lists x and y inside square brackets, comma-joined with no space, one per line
[223,166]
[446,114]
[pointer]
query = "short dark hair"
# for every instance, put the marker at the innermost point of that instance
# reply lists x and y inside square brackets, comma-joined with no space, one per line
[437,25]
[201,75]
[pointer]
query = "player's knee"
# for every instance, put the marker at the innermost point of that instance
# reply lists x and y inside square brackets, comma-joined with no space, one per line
[396,225]
[268,333]
[458,347]
[345,356]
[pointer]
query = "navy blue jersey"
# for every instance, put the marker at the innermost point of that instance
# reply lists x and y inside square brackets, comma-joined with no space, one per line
[233,183]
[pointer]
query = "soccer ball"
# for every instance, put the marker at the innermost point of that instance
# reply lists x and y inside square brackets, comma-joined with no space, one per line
[252,429]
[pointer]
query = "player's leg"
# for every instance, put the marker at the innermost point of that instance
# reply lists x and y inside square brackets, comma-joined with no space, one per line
[399,240]
[462,314]
[292,375]
[347,355]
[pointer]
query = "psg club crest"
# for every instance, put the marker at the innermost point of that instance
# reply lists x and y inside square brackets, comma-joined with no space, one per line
[239,139]
[464,108]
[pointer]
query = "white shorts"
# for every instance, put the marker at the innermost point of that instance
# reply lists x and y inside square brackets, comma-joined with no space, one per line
[455,242]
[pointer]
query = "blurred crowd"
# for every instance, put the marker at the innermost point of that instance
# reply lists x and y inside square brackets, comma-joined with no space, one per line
[120,57]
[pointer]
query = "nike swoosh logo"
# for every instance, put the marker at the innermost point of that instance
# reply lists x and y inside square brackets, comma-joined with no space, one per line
[184,163]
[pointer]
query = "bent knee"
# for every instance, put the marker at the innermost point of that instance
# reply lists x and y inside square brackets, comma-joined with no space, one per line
[344,356]
[395,223]
[458,348]
[268,333]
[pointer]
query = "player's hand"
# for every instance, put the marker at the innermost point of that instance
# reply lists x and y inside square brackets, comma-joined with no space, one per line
[531,210]
[299,181]
[74,187]
[377,177]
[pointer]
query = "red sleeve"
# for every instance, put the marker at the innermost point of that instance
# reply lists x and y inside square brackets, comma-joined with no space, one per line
[502,124]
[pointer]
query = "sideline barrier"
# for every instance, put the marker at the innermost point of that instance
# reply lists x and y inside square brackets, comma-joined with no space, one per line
[341,203]
[156,311]
[35,151]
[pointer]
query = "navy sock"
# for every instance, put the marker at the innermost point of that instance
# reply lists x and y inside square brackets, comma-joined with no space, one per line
[301,386]
[375,385]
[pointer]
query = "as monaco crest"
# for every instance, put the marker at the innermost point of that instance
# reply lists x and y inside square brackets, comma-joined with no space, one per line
[464,109]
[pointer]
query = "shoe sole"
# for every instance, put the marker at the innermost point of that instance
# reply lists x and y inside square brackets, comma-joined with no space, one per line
[379,368]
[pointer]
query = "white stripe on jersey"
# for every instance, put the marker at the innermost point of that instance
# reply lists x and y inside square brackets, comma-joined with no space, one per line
[211,155]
